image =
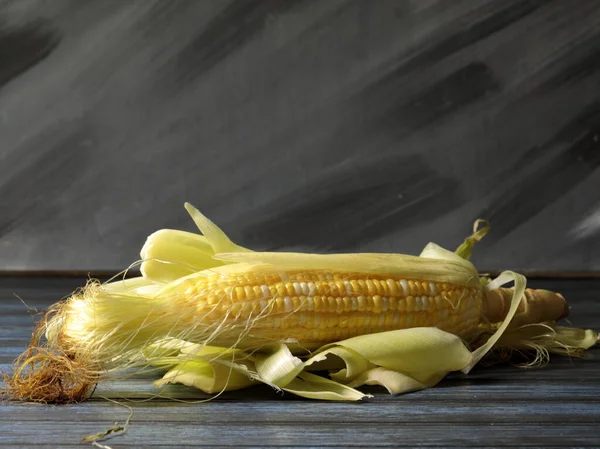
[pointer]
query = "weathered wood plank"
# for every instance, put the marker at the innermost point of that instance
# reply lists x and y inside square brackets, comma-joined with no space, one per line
[259,432]
[372,412]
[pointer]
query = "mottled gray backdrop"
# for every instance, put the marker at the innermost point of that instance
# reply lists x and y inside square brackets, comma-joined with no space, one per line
[324,125]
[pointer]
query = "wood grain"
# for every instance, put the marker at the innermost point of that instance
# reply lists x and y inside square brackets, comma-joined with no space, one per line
[338,125]
[554,407]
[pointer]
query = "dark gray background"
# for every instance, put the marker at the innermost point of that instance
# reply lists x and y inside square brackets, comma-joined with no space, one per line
[326,125]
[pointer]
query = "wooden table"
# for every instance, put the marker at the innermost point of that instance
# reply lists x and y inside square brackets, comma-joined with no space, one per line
[557,406]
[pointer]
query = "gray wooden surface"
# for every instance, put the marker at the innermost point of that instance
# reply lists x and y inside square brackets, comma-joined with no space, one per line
[331,125]
[557,406]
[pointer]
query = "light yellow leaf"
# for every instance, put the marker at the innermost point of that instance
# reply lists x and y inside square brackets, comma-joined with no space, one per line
[520,285]
[576,338]
[311,386]
[423,353]
[165,353]
[548,337]
[393,381]
[456,271]
[218,240]
[206,376]
[169,254]
[137,285]
[354,363]
[278,366]
[435,251]
[211,352]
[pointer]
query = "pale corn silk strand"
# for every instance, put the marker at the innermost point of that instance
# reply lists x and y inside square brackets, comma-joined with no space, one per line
[189,317]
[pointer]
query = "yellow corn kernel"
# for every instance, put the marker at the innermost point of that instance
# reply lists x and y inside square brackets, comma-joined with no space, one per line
[321,307]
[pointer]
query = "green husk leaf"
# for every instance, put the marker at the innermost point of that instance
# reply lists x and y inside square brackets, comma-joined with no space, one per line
[465,250]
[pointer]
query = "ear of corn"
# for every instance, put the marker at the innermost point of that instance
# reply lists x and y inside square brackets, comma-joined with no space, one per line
[318,307]
[218,316]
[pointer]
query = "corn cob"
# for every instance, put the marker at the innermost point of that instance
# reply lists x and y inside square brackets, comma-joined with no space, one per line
[320,307]
[252,309]
[207,290]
